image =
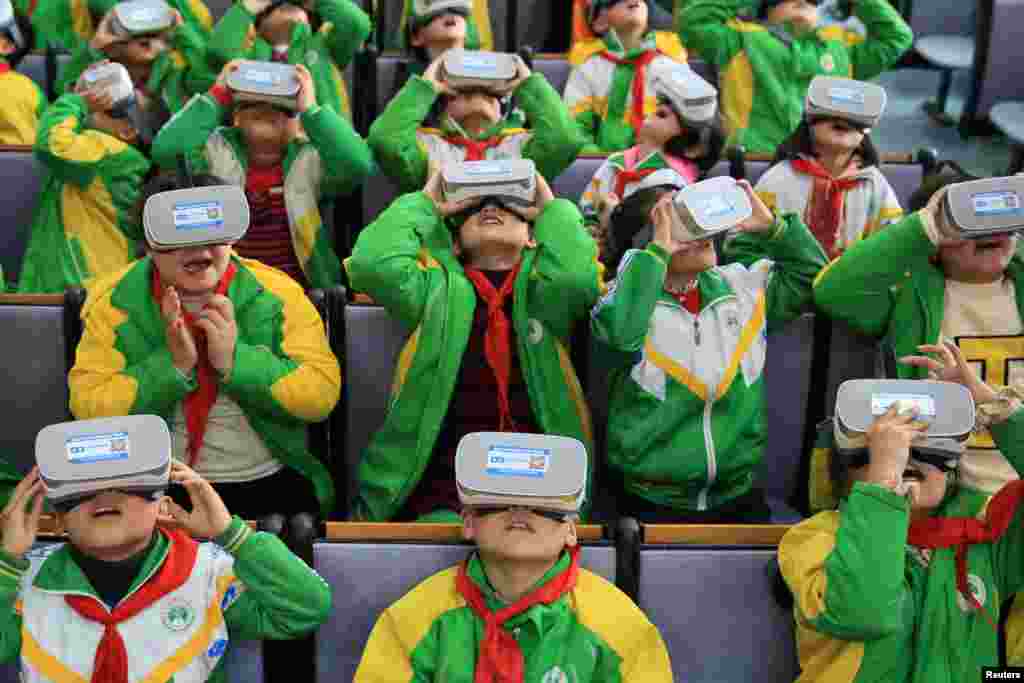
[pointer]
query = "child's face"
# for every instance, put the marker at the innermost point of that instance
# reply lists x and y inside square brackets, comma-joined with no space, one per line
[836,134]
[660,127]
[799,12]
[983,260]
[518,534]
[447,29]
[276,27]
[625,16]
[112,525]
[267,131]
[474,107]
[693,257]
[193,270]
[492,228]
[137,51]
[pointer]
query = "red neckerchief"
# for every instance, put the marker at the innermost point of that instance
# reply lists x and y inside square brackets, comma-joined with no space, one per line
[824,211]
[4,67]
[497,337]
[639,63]
[111,662]
[631,159]
[197,403]
[501,660]
[476,150]
[961,532]
[690,300]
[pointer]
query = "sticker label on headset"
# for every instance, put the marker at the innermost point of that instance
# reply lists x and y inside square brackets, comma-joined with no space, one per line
[996,203]
[846,95]
[97,448]
[513,461]
[925,404]
[145,14]
[715,207]
[198,215]
[479,64]
[260,77]
[483,168]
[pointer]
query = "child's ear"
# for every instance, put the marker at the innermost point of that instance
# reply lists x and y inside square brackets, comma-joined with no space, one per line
[416,38]
[7,47]
[601,24]
[468,528]
[571,536]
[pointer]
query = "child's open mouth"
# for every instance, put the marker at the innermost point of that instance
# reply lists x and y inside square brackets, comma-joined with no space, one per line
[197,266]
[912,474]
[989,244]
[105,511]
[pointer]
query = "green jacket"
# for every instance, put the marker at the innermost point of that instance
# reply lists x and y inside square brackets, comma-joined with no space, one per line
[870,608]
[404,148]
[686,426]
[332,160]
[71,24]
[594,634]
[261,590]
[284,377]
[764,78]
[85,223]
[404,260]
[326,53]
[177,74]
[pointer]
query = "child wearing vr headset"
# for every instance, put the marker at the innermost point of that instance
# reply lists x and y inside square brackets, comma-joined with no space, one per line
[92,144]
[471,89]
[766,64]
[229,351]
[289,153]
[679,141]
[905,580]
[132,595]
[492,273]
[686,340]
[519,608]
[24,102]
[828,169]
[322,35]
[429,27]
[611,87]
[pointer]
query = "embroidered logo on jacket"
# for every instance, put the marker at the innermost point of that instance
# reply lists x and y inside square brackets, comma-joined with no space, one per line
[178,615]
[555,675]
[977,587]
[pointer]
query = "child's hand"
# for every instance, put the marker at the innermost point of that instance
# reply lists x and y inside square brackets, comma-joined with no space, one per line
[948,234]
[522,73]
[432,76]
[433,191]
[179,339]
[104,36]
[889,439]
[20,518]
[217,320]
[97,100]
[541,198]
[762,219]
[229,68]
[307,89]
[661,219]
[951,367]
[209,517]
[255,7]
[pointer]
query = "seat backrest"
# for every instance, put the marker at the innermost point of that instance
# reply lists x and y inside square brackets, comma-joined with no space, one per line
[719,169]
[365,578]
[535,22]
[949,17]
[244,661]
[705,70]
[33,65]
[556,69]
[378,193]
[717,613]
[904,179]
[997,83]
[18,168]
[218,8]
[34,364]
[851,355]
[388,65]
[574,180]
[756,169]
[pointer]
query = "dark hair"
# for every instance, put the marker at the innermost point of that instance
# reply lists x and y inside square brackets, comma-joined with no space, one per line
[314,18]
[935,181]
[762,11]
[28,34]
[801,142]
[713,136]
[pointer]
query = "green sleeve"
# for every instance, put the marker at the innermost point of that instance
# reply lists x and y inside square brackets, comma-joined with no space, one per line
[1008,551]
[346,158]
[60,144]
[11,571]
[229,35]
[81,57]
[196,76]
[385,261]
[888,37]
[857,287]
[797,258]
[621,319]
[160,385]
[393,135]
[187,131]
[555,139]
[1009,438]
[283,597]
[702,26]
[350,27]
[52,19]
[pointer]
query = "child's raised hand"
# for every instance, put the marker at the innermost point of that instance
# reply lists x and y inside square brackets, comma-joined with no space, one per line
[431,75]
[307,89]
[762,219]
[217,320]
[104,36]
[889,439]
[222,77]
[951,366]
[661,219]
[433,190]
[522,73]
[20,518]
[97,100]
[255,7]
[209,517]
[179,339]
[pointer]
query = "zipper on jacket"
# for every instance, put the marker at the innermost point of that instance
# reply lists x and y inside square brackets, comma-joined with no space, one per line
[709,444]
[696,330]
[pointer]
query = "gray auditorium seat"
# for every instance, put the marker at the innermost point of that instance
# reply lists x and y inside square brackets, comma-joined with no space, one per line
[388,69]
[717,614]
[756,169]
[18,168]
[851,355]
[366,578]
[378,193]
[218,8]
[944,37]
[1008,117]
[996,83]
[34,66]
[904,179]
[574,180]
[556,69]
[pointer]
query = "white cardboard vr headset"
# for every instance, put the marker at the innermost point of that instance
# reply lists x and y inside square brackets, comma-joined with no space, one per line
[512,181]
[114,80]
[431,8]
[478,70]
[538,471]
[141,18]
[986,207]
[690,96]
[80,459]
[265,82]
[859,102]
[946,407]
[195,217]
[709,208]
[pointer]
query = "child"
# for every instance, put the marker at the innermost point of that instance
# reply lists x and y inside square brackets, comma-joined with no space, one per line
[24,103]
[286,172]
[765,66]
[132,595]
[429,27]
[880,591]
[323,35]
[167,67]
[611,88]
[229,351]
[473,127]
[520,608]
[493,293]
[827,172]
[687,341]
[84,224]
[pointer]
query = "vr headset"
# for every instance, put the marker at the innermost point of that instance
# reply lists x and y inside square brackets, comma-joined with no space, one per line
[986,207]
[141,18]
[426,10]
[693,99]
[266,82]
[195,217]
[477,70]
[857,102]
[537,471]
[709,208]
[946,407]
[78,460]
[510,181]
[9,25]
[113,79]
